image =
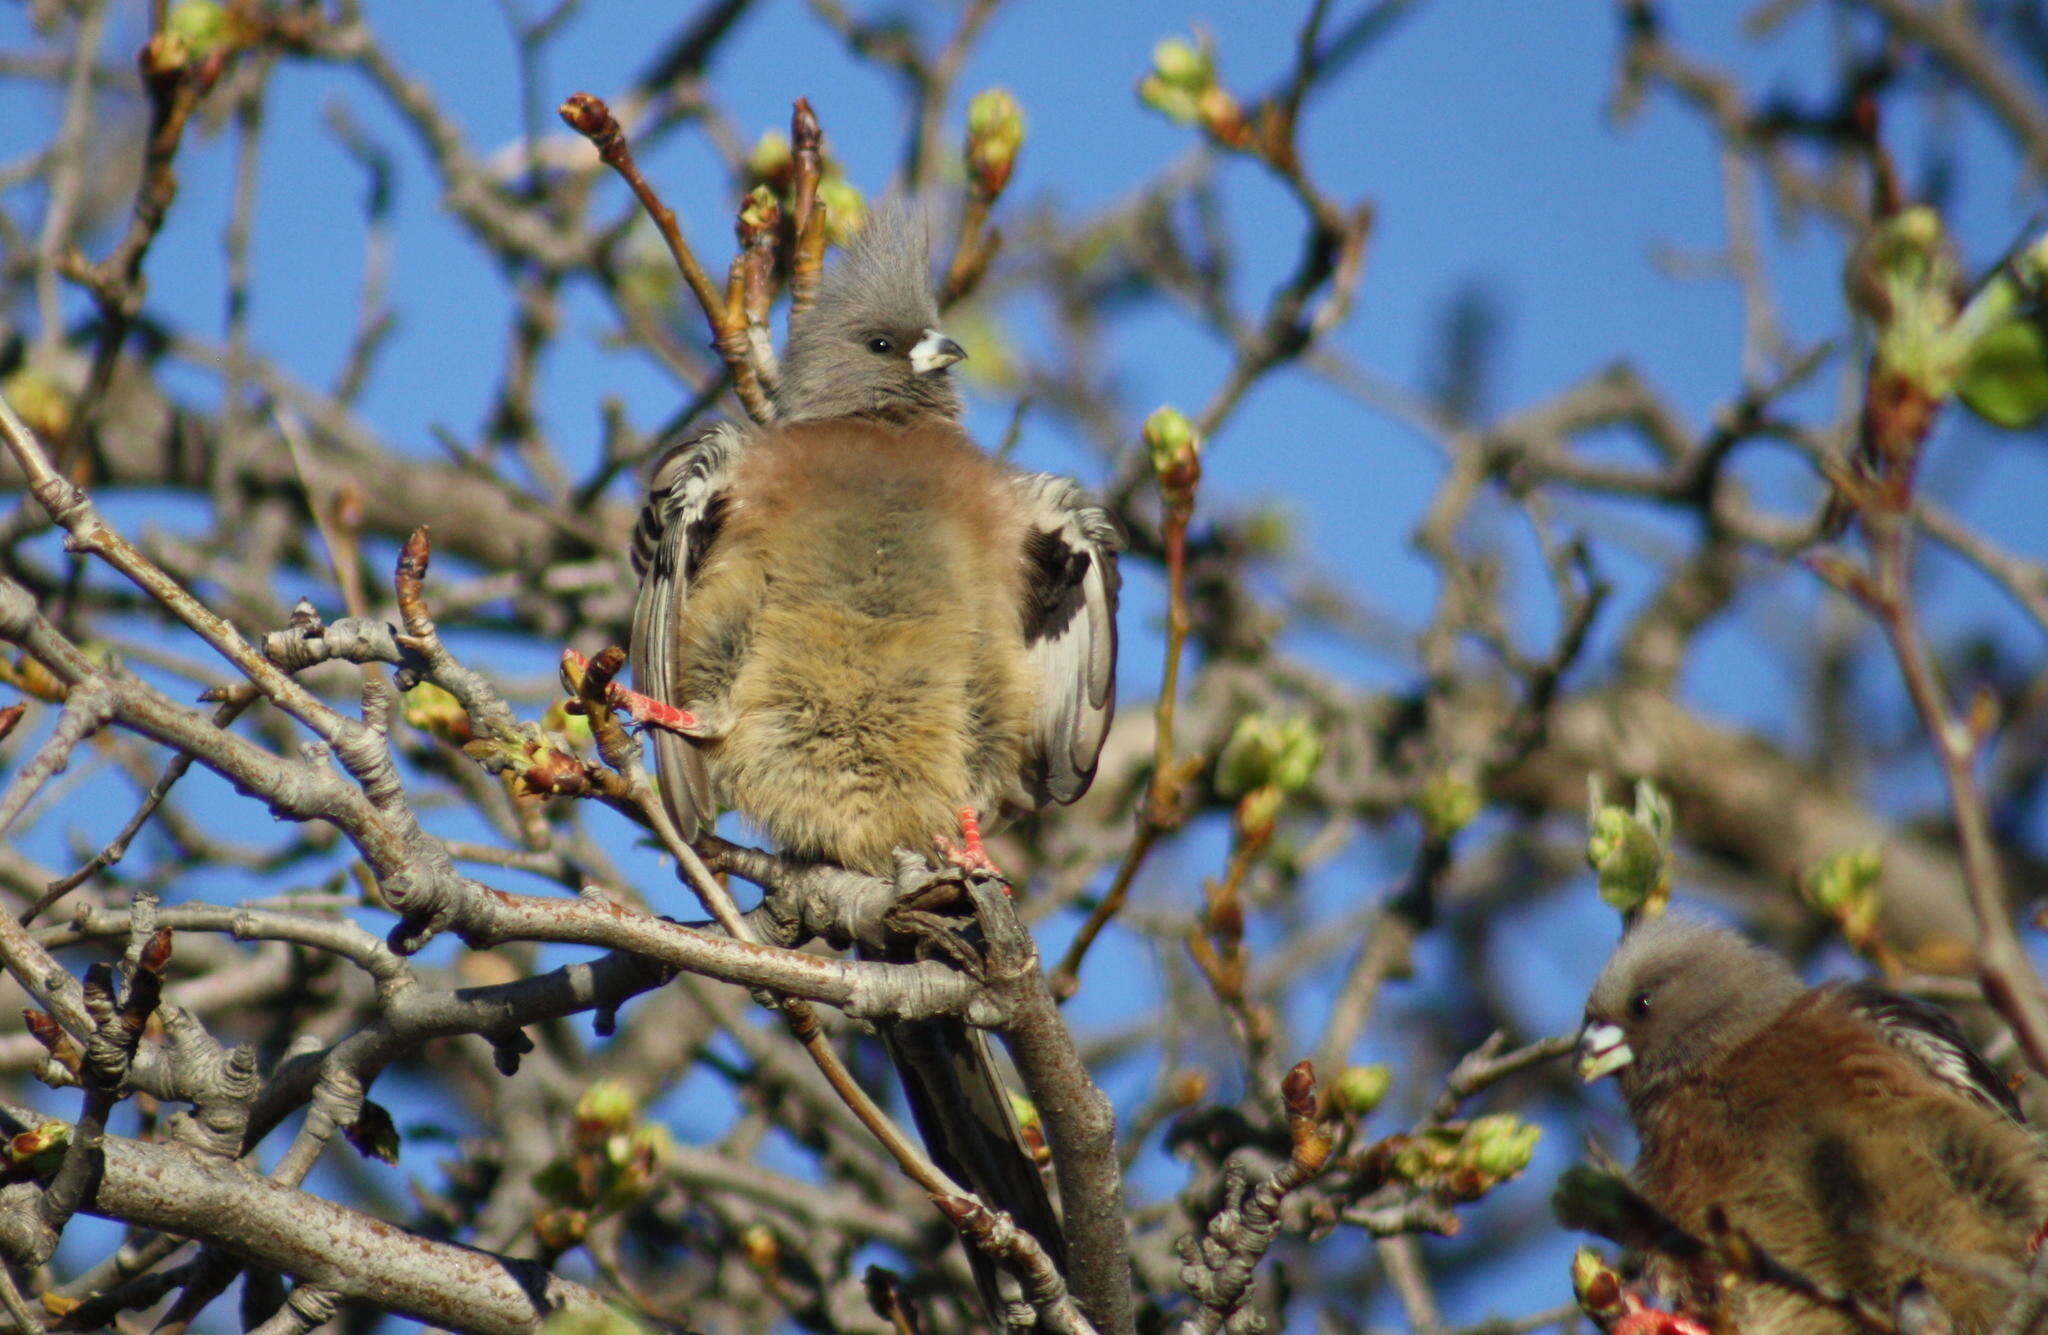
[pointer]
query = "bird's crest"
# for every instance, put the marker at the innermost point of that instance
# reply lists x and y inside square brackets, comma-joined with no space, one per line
[885,272]
[1681,936]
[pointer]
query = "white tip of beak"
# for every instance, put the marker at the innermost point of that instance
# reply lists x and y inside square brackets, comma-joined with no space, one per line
[935,352]
[1603,1050]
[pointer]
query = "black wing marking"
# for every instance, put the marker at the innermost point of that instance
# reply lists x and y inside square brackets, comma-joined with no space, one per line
[1069,621]
[1931,1036]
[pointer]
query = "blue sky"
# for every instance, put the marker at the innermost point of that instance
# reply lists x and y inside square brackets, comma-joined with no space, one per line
[1479,129]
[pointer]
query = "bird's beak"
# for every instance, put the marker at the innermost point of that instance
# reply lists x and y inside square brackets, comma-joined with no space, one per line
[935,352]
[1603,1050]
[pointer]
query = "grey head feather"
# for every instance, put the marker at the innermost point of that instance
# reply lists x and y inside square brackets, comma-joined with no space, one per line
[849,354]
[1683,990]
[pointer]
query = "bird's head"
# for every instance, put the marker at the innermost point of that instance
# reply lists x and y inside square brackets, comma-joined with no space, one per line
[870,345]
[1676,992]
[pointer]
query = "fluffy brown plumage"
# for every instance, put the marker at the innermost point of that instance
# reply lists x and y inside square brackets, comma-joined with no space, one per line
[877,624]
[877,627]
[1851,1132]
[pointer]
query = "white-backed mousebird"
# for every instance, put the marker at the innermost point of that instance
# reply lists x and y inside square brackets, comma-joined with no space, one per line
[886,637]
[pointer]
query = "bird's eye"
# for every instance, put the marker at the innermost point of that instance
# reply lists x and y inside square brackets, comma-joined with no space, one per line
[1639,1005]
[880,345]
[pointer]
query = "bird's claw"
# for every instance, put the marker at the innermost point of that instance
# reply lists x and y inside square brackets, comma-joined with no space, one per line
[648,712]
[921,886]
[935,935]
[969,855]
[643,710]
[930,908]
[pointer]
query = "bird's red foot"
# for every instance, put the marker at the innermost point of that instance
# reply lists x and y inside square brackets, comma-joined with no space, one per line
[1639,1318]
[644,710]
[969,854]
[649,712]
[2034,1243]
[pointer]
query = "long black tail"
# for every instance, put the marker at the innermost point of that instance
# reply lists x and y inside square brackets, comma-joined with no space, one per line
[970,1130]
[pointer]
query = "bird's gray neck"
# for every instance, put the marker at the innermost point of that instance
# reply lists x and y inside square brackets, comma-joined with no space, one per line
[811,395]
[894,412]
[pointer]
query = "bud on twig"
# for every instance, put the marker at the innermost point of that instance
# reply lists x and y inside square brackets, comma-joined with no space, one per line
[635,1161]
[32,679]
[1264,751]
[1845,889]
[1500,1145]
[809,212]
[1631,850]
[846,210]
[560,1228]
[433,710]
[758,1244]
[156,953]
[1181,72]
[1031,1128]
[1298,1091]
[1596,1286]
[590,117]
[1447,803]
[771,161]
[206,27]
[40,400]
[1360,1089]
[37,1151]
[51,1035]
[1183,87]
[760,217]
[1175,448]
[995,131]
[1462,1161]
[163,58]
[605,1109]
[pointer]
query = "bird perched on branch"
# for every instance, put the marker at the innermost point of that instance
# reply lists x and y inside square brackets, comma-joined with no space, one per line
[1850,1132]
[885,638]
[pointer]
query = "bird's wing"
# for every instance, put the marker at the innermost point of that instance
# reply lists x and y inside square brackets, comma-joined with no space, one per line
[1069,612]
[678,524]
[1929,1035]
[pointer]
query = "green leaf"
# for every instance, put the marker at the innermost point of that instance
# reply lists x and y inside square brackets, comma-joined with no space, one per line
[2005,380]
